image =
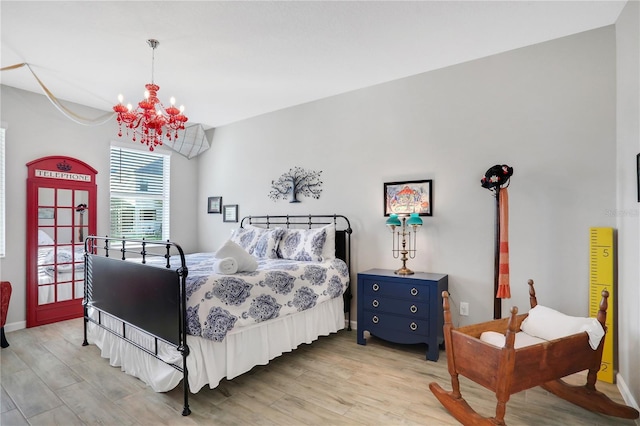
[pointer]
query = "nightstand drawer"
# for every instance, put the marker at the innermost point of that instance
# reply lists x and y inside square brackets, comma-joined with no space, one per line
[384,324]
[374,302]
[384,288]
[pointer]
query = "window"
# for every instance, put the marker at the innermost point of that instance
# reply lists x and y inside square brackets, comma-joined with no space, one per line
[2,195]
[139,194]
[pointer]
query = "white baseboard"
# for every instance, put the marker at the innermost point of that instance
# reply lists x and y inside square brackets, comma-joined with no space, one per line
[626,394]
[8,328]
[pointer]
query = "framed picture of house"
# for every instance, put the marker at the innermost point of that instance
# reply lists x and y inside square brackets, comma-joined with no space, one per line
[403,198]
[214,205]
[230,213]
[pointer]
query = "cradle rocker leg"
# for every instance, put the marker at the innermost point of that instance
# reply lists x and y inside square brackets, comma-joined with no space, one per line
[587,396]
[459,408]
[590,399]
[453,401]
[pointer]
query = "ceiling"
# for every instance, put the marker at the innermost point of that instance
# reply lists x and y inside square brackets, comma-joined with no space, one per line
[231,60]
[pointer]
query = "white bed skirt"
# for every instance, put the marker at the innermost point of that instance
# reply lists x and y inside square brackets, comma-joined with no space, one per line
[208,361]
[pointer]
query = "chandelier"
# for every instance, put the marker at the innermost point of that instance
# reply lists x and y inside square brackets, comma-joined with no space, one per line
[151,122]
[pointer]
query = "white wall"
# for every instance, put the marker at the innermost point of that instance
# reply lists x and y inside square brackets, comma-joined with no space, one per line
[37,129]
[546,110]
[628,209]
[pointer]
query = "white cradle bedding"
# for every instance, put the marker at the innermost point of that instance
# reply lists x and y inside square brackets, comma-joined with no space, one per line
[209,361]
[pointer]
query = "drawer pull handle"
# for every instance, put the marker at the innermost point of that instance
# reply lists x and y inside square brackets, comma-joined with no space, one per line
[413,309]
[414,291]
[375,287]
[375,303]
[413,326]
[375,319]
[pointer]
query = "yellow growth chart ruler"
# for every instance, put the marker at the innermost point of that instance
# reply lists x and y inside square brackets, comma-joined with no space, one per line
[601,277]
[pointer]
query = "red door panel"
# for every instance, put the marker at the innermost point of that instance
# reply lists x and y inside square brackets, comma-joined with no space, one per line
[61,212]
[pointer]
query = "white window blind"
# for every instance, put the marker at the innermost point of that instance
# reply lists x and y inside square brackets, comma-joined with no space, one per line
[139,194]
[2,196]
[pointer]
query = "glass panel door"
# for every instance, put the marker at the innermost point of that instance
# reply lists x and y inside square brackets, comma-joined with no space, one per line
[61,213]
[62,228]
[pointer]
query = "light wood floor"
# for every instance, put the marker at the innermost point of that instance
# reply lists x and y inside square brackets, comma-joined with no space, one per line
[49,378]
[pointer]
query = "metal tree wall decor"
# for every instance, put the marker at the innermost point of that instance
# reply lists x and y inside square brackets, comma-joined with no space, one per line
[297,181]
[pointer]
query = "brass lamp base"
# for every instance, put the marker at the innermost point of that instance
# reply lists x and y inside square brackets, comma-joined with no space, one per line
[404,271]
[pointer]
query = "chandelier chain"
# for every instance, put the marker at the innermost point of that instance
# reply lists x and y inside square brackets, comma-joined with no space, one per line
[153,43]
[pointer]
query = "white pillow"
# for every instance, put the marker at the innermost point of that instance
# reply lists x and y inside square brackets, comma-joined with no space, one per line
[246,262]
[549,324]
[498,339]
[304,244]
[44,239]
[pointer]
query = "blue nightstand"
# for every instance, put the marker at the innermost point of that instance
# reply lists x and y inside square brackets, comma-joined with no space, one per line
[402,308]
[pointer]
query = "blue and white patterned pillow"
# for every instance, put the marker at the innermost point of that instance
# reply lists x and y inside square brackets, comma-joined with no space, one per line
[304,244]
[259,242]
[267,244]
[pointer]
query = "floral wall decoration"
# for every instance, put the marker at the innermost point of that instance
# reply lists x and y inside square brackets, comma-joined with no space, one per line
[297,181]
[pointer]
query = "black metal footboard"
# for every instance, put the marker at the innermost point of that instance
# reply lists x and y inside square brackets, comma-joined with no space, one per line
[135,282]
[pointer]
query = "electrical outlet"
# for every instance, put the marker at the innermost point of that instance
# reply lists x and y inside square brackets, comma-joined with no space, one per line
[464,309]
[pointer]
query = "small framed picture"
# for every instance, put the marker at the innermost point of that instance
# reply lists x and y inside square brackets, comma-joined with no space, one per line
[230,213]
[638,174]
[404,198]
[214,205]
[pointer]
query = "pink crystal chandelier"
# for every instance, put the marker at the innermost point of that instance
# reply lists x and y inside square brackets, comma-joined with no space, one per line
[151,122]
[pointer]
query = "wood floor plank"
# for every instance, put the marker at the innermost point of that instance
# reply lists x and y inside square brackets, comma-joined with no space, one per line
[11,362]
[307,413]
[114,384]
[249,410]
[368,415]
[62,416]
[47,366]
[311,391]
[256,388]
[92,407]
[6,403]
[14,418]
[150,409]
[29,393]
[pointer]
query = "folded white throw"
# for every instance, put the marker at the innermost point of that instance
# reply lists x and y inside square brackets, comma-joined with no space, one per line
[226,266]
[245,261]
[549,324]
[498,339]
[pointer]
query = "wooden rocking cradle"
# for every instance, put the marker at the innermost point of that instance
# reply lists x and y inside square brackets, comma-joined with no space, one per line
[507,370]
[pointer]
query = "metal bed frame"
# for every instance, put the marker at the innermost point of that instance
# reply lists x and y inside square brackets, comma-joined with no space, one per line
[113,287]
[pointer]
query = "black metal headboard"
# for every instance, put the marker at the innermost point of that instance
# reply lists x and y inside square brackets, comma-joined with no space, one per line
[343,236]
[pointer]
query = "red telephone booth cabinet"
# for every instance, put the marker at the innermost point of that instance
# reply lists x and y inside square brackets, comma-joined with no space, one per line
[61,212]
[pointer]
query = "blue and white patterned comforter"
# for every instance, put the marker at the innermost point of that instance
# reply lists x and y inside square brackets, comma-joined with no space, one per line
[218,303]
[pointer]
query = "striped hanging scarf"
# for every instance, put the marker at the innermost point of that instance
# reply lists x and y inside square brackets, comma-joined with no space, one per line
[504,291]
